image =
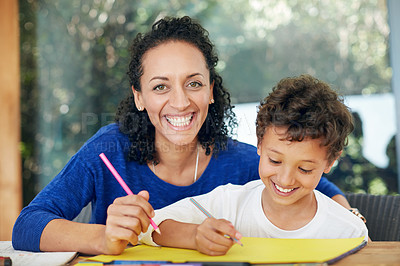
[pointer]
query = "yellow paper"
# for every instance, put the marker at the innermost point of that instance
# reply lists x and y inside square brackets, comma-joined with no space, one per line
[254,250]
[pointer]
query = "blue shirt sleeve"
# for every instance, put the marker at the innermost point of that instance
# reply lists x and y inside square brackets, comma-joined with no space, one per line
[328,188]
[62,198]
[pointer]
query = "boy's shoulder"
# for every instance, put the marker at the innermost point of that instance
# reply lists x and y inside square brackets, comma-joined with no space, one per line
[336,214]
[325,202]
[335,221]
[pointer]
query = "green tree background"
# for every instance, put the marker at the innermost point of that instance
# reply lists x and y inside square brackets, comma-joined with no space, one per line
[74,58]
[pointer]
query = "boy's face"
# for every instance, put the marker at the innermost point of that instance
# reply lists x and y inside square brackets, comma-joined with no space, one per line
[290,170]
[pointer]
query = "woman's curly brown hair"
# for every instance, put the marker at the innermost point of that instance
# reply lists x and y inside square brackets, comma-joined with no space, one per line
[213,135]
[310,109]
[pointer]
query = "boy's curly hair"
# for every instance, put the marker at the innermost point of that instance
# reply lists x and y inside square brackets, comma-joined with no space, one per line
[309,108]
[214,132]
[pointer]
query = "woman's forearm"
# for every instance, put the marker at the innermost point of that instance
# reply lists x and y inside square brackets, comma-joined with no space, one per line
[64,235]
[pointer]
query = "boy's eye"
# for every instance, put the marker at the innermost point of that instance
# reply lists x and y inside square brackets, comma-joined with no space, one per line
[274,161]
[305,170]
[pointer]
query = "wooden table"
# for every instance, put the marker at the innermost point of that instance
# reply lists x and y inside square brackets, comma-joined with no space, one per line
[374,253]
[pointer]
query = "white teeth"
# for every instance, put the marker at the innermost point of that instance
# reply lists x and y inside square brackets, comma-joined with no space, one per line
[179,121]
[284,190]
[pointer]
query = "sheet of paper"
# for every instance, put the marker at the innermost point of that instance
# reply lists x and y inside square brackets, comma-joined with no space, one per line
[254,250]
[34,258]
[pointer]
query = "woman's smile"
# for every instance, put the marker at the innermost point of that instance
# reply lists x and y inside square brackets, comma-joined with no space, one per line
[180,122]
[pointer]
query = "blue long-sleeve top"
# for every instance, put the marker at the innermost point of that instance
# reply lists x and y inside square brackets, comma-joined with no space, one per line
[86,179]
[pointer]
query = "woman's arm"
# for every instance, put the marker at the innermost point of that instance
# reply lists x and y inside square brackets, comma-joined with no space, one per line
[63,235]
[127,217]
[339,198]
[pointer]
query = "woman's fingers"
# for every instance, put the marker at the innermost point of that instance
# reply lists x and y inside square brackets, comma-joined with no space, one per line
[139,200]
[136,223]
[127,217]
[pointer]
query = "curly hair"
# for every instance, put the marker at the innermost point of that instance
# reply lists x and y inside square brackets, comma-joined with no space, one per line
[213,134]
[309,108]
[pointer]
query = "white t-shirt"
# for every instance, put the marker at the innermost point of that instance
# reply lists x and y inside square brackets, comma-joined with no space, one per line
[241,205]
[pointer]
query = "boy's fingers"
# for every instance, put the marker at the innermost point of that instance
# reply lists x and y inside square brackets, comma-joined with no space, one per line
[215,230]
[226,228]
[211,245]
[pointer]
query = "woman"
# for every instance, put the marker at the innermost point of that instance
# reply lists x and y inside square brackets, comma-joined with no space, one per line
[170,141]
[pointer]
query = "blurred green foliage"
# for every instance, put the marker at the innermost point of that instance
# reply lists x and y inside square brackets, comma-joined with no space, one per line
[74,58]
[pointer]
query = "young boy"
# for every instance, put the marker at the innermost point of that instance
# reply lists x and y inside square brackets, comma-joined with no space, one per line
[302,127]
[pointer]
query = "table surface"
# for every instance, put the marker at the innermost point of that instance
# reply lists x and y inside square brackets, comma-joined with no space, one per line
[374,253]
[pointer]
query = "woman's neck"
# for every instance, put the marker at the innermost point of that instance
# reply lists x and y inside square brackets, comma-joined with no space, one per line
[180,165]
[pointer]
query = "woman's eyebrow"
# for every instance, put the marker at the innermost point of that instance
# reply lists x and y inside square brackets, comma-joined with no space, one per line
[165,78]
[158,77]
[194,74]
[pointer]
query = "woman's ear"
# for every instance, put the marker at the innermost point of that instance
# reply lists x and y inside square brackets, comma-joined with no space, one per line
[138,99]
[211,93]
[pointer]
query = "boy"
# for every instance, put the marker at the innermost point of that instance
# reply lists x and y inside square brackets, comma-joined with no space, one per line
[302,127]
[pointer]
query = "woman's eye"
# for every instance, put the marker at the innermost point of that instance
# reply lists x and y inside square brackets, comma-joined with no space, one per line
[195,84]
[305,170]
[160,88]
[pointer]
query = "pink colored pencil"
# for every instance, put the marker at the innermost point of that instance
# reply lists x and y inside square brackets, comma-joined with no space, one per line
[124,185]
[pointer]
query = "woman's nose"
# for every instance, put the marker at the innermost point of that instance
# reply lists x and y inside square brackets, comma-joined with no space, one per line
[179,98]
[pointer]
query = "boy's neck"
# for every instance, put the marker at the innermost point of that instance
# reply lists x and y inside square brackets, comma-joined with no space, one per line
[289,217]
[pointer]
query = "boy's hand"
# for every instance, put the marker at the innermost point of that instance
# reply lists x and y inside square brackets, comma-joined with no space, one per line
[127,217]
[211,236]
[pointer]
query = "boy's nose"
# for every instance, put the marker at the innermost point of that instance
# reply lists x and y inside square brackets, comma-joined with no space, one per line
[179,99]
[286,177]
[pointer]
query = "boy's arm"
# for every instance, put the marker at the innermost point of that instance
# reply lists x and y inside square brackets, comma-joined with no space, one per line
[208,237]
[176,234]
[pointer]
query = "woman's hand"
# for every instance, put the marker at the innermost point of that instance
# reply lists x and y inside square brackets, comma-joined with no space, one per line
[127,217]
[211,237]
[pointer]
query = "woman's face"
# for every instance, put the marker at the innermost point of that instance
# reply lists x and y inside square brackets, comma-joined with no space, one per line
[176,91]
